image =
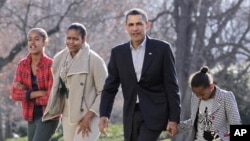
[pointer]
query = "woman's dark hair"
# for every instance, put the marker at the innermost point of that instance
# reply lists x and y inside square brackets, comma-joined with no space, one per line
[201,78]
[137,11]
[78,27]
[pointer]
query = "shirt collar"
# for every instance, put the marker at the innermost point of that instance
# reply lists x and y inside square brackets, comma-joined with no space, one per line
[142,45]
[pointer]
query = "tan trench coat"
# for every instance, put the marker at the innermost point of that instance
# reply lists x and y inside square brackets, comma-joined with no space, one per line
[86,78]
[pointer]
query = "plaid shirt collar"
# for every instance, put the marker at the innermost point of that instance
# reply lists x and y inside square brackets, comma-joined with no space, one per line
[40,64]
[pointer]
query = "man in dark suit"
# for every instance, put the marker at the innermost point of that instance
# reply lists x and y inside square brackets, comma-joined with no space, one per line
[145,68]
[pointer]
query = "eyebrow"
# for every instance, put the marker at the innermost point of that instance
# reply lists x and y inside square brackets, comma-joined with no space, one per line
[134,23]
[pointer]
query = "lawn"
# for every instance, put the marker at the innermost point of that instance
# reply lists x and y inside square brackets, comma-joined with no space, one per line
[115,133]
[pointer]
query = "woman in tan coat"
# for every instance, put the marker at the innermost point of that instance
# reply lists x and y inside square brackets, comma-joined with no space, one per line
[83,72]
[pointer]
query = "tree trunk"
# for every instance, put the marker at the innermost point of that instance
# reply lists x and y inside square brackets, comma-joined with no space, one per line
[1,125]
[183,29]
[8,128]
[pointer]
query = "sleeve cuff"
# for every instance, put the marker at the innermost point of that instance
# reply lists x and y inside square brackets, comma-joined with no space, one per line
[94,112]
[28,95]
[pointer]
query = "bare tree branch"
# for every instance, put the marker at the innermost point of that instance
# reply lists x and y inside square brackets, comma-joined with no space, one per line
[18,47]
[2,2]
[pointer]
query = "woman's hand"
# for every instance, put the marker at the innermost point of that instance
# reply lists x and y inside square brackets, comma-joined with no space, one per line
[19,86]
[85,124]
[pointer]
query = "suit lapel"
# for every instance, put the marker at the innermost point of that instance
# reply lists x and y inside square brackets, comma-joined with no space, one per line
[127,57]
[149,54]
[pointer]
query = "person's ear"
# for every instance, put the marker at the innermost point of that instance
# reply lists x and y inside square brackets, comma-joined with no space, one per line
[84,39]
[148,25]
[212,86]
[46,42]
[125,27]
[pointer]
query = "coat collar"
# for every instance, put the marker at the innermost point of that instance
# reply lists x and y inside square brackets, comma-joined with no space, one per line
[149,54]
[81,61]
[217,100]
[41,63]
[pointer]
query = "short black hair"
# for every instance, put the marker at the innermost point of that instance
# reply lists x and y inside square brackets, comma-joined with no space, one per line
[137,11]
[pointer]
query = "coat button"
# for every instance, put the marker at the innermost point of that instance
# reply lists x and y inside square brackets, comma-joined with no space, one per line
[81,83]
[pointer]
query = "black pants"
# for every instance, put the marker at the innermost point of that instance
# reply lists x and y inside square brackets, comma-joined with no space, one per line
[41,131]
[140,132]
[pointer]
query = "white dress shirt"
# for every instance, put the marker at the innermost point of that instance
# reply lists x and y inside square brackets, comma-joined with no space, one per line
[138,58]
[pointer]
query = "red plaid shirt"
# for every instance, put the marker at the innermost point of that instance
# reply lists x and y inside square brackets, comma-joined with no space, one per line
[44,82]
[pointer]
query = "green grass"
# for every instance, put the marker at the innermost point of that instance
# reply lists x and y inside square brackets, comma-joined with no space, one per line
[17,139]
[115,133]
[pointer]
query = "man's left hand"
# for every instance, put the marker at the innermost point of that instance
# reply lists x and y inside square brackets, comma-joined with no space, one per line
[172,128]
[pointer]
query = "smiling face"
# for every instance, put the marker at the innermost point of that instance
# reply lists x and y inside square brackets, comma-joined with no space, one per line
[74,41]
[36,42]
[136,28]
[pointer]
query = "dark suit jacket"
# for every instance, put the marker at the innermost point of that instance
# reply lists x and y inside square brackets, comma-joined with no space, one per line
[157,88]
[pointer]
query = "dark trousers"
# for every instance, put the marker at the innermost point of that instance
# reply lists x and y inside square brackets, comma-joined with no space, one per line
[140,132]
[41,131]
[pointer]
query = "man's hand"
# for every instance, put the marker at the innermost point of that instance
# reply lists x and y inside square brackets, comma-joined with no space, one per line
[172,128]
[103,125]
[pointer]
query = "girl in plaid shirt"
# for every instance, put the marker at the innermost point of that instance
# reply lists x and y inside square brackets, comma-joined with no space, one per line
[32,84]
